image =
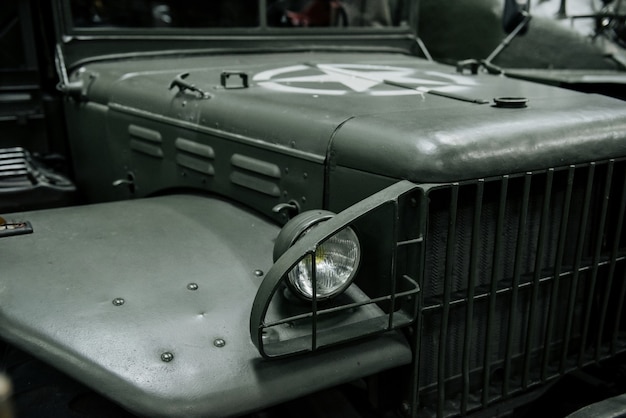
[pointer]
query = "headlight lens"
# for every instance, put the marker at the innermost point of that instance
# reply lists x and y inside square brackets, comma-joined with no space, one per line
[336,263]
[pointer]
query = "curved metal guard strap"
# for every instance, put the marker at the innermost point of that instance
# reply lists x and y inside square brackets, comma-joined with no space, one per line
[293,327]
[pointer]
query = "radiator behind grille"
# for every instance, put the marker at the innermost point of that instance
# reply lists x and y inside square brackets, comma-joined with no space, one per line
[523,281]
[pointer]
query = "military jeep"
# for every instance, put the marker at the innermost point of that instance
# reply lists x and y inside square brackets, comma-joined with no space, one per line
[283,204]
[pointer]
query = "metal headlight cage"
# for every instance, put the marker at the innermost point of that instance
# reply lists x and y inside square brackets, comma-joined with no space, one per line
[382,297]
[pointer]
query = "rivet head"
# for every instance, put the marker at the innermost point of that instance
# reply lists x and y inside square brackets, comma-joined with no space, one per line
[258,273]
[219,342]
[167,357]
[118,301]
[192,286]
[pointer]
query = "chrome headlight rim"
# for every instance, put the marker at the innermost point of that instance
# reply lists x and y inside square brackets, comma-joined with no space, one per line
[302,287]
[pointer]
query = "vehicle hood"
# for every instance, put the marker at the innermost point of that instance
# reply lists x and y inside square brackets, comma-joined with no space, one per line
[454,141]
[384,113]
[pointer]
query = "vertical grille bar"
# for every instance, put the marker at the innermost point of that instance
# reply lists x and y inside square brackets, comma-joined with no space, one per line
[519,252]
[576,269]
[496,274]
[618,315]
[443,336]
[596,260]
[611,275]
[394,260]
[554,295]
[419,321]
[314,303]
[471,289]
[536,276]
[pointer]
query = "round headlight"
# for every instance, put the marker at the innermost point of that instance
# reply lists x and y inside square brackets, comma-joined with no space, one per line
[336,262]
[336,259]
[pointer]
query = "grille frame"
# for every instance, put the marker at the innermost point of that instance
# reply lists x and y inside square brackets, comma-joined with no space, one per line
[588,270]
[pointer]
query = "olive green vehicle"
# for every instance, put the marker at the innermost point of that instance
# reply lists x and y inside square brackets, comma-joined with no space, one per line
[282,204]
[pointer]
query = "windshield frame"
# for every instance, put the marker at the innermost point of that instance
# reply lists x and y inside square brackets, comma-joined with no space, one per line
[80,46]
[69,30]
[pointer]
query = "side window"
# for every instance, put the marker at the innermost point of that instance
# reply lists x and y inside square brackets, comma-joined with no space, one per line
[165,13]
[209,14]
[336,13]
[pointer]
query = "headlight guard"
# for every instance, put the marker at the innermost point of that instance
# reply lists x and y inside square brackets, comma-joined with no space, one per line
[378,293]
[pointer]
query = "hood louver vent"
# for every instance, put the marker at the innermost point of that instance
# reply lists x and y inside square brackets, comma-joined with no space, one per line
[195,156]
[255,174]
[145,141]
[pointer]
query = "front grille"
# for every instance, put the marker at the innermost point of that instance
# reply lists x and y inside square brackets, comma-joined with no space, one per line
[523,281]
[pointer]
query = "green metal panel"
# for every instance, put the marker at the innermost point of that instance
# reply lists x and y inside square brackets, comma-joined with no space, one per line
[95,164]
[439,139]
[148,301]
[387,114]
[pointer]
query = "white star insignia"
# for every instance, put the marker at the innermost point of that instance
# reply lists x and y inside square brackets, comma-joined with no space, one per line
[355,77]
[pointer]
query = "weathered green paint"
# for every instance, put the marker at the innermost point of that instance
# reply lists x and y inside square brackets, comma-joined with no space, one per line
[328,119]
[344,113]
[58,305]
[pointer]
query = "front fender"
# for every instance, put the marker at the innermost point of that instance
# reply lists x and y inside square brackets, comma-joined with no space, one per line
[148,302]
